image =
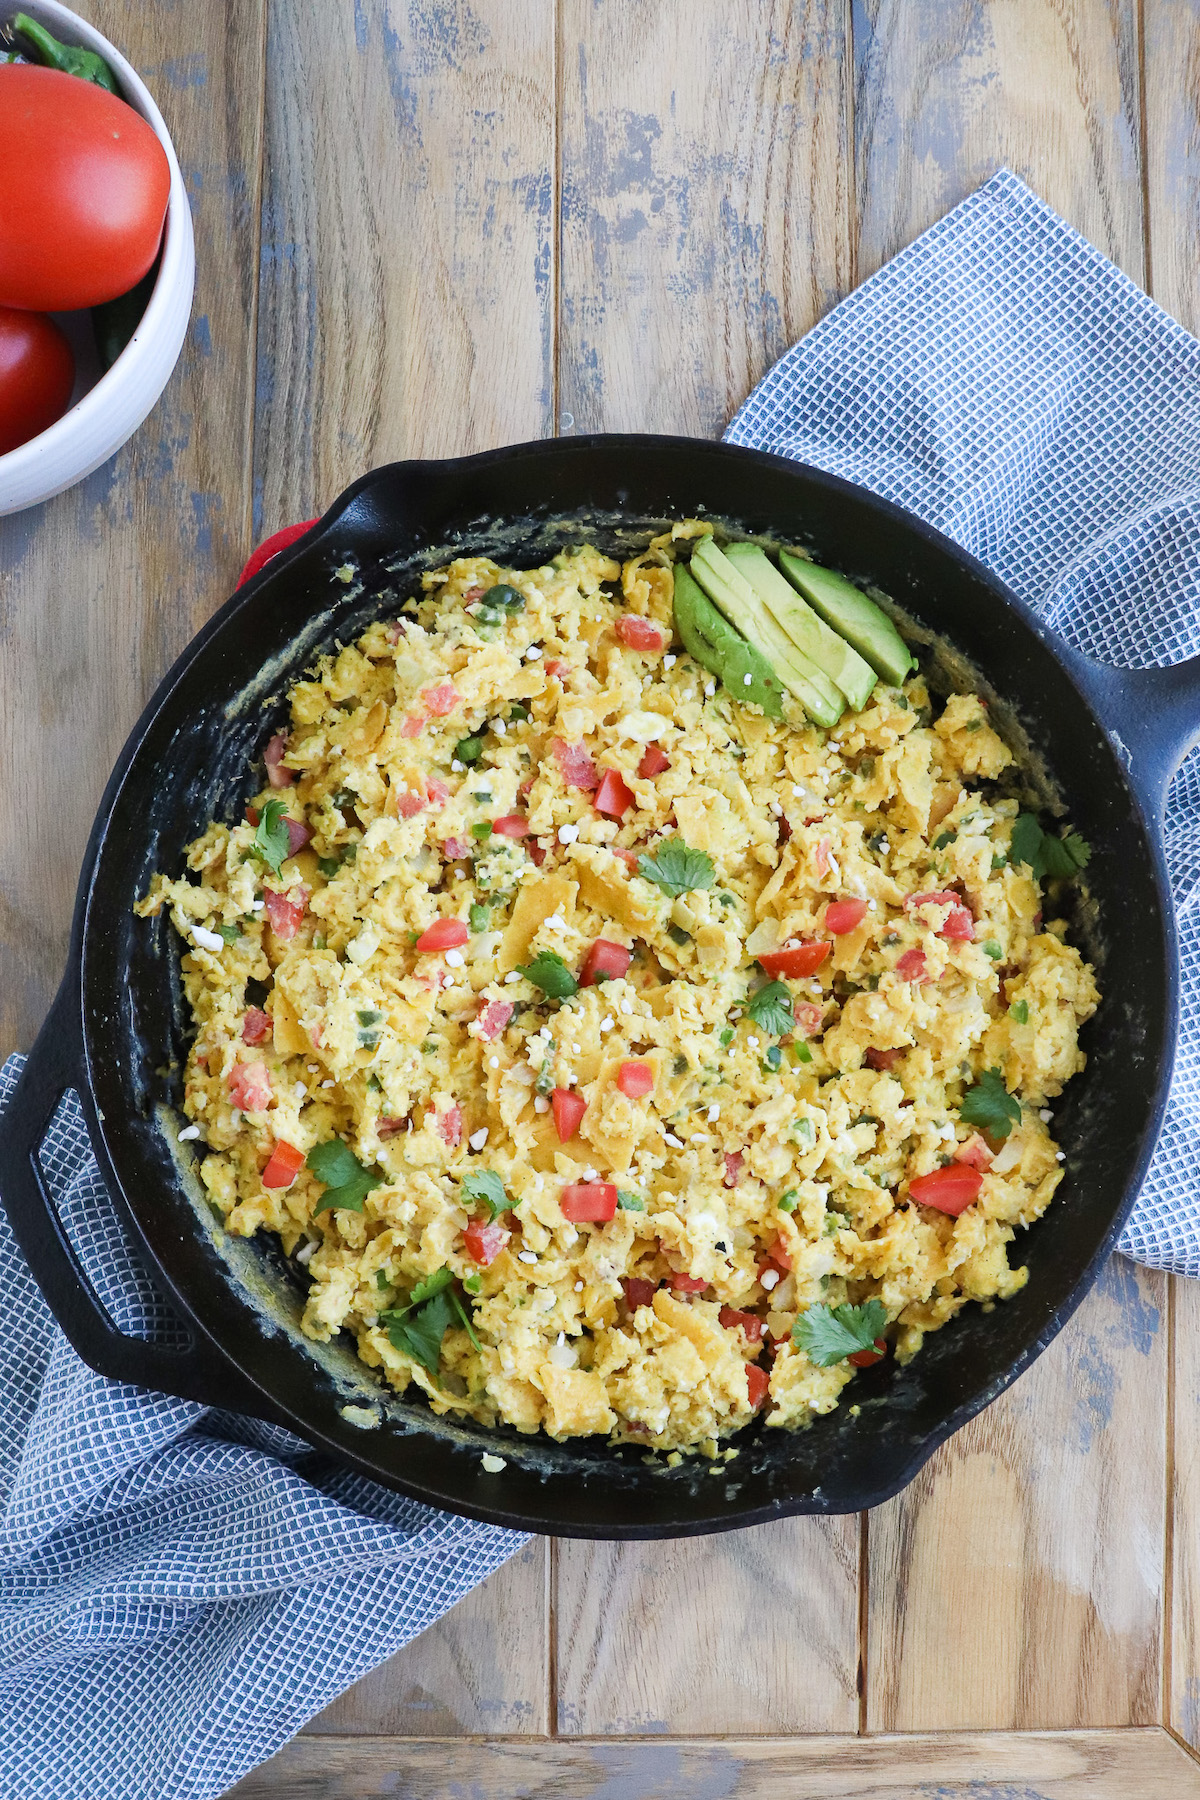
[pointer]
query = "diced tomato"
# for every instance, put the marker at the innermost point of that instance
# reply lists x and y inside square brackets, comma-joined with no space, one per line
[256,1026]
[749,1322]
[283,1165]
[807,1016]
[628,857]
[800,959]
[958,924]
[639,633]
[654,762]
[449,1126]
[441,699]
[409,802]
[862,1359]
[474,593]
[455,849]
[484,1242]
[613,798]
[588,1201]
[512,825]
[842,916]
[388,1127]
[635,1079]
[758,1385]
[568,1109]
[493,1017]
[880,1059]
[733,1167]
[437,790]
[575,765]
[783,829]
[298,835]
[912,966]
[557,668]
[686,1284]
[252,815]
[413,724]
[975,1152]
[638,1292]
[250,1086]
[822,856]
[443,934]
[537,852]
[951,1190]
[277,774]
[779,1253]
[604,961]
[284,913]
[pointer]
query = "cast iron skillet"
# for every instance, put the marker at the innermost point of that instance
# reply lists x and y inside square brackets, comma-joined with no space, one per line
[116,1035]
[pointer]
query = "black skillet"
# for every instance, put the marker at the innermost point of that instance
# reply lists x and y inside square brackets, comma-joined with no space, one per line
[116,1034]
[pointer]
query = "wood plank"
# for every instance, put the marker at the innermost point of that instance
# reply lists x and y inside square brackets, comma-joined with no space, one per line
[407,269]
[1017,1583]
[1100,1765]
[1183,1688]
[704,202]
[482,1668]
[101,587]
[948,91]
[752,1631]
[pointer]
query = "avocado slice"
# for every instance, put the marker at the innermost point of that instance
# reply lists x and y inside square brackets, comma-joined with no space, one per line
[807,630]
[716,646]
[850,613]
[732,593]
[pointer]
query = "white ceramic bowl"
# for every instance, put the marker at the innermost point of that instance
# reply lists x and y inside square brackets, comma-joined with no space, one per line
[108,410]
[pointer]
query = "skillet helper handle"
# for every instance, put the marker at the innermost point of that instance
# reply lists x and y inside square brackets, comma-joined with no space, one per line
[1152,717]
[56,1064]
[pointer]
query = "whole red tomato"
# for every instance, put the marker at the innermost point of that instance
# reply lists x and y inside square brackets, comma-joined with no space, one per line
[83,195]
[37,373]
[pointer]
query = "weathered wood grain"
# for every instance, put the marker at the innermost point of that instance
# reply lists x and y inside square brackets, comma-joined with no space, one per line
[408,250]
[948,91]
[482,1668]
[704,202]
[102,587]
[1017,1583]
[1099,1765]
[754,1631]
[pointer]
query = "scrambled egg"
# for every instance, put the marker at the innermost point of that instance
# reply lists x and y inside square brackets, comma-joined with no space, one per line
[761,1171]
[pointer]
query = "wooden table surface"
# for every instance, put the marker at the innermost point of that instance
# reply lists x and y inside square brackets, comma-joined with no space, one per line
[438,225]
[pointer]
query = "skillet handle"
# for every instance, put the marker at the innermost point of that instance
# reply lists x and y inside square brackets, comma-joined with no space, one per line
[1151,715]
[196,1372]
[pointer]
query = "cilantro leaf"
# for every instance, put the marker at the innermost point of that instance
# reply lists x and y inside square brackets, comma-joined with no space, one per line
[419,1330]
[1048,856]
[230,933]
[549,972]
[487,1186]
[990,1106]
[347,1182]
[771,1009]
[829,1335]
[676,868]
[271,841]
[431,1285]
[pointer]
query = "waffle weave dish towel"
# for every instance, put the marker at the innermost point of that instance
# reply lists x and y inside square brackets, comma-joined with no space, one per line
[1007,383]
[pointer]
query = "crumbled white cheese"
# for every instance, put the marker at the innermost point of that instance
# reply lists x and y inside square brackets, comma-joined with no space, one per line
[493,1464]
[526,1256]
[770,1278]
[207,940]
[675,1143]
[747,681]
[532,654]
[188,1133]
[478,1138]
[541,1104]
[567,834]
[454,958]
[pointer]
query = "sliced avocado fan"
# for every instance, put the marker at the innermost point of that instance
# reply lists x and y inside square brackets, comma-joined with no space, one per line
[807,630]
[850,613]
[733,594]
[717,647]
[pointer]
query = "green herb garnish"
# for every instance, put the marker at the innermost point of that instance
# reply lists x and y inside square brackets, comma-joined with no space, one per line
[676,868]
[774,1057]
[478,918]
[727,1036]
[788,1202]
[990,1106]
[229,933]
[271,841]
[482,829]
[678,935]
[329,866]
[549,972]
[1048,856]
[801,1053]
[946,837]
[486,1186]
[771,1009]
[1019,1010]
[369,1022]
[468,749]
[828,1335]
[347,1182]
[992,949]
[503,595]
[630,1202]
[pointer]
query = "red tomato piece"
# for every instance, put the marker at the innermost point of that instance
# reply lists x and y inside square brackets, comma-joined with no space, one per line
[628,857]
[250,1086]
[639,633]
[605,960]
[862,1359]
[557,668]
[484,1242]
[409,802]
[749,1322]
[807,1016]
[441,699]
[449,1126]
[779,1253]
[588,1202]
[512,825]
[686,1284]
[568,1109]
[437,791]
[256,1026]
[277,774]
[387,1126]
[880,1059]
[635,1079]
[951,1190]
[284,914]
[822,856]
[842,916]
[975,1152]
[613,798]
[37,373]
[799,959]
[638,1292]
[758,1384]
[443,934]
[413,724]
[654,762]
[298,835]
[493,1017]
[958,925]
[283,1165]
[537,853]
[912,966]
[575,765]
[733,1167]
[101,181]
[455,849]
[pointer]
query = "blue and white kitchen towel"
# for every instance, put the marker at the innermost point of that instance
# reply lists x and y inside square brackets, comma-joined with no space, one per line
[181,1590]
